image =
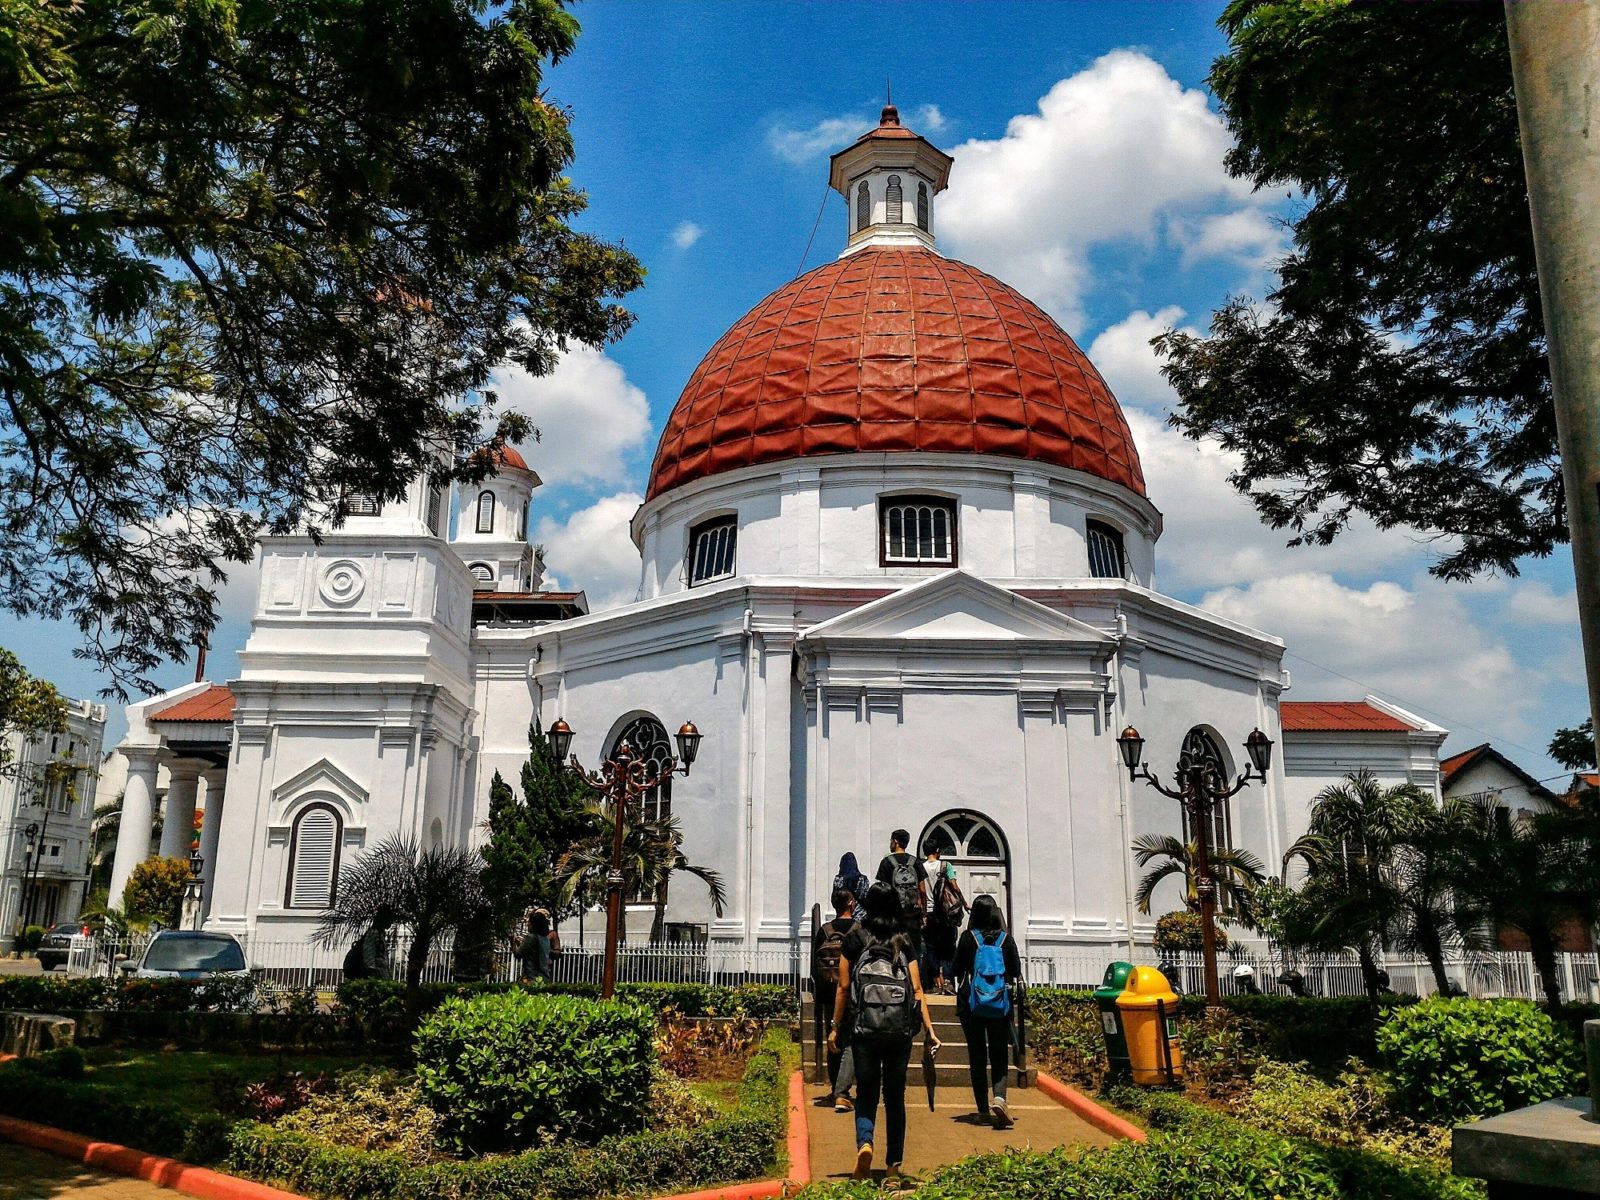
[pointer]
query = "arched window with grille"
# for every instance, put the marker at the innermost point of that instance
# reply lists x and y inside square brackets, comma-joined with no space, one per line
[1201,749]
[647,737]
[313,857]
[713,550]
[486,512]
[863,206]
[917,530]
[892,202]
[363,504]
[482,577]
[922,207]
[1107,557]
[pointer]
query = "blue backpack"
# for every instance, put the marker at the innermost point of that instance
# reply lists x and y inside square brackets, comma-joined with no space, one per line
[987,994]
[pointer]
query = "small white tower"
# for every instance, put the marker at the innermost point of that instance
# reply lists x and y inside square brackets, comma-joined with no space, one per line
[888,178]
[492,528]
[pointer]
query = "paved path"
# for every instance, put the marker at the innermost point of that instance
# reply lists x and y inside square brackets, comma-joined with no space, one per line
[27,1174]
[949,1133]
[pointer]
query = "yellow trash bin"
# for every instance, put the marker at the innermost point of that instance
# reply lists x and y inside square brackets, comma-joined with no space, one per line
[1149,1010]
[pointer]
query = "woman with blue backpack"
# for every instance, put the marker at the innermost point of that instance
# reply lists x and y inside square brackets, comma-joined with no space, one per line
[880,990]
[988,969]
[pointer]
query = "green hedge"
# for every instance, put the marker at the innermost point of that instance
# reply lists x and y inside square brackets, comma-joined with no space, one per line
[49,993]
[740,1145]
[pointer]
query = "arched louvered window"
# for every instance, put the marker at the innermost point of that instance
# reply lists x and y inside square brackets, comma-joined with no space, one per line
[363,504]
[917,530]
[1107,558]
[713,550]
[482,577]
[485,512]
[313,857]
[1201,749]
[894,210]
[863,206]
[647,737]
[922,207]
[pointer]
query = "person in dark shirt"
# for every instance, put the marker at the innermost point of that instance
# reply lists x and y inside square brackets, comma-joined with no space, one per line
[826,954]
[988,1038]
[913,908]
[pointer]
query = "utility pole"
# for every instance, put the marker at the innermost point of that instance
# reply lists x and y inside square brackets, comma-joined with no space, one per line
[1555,63]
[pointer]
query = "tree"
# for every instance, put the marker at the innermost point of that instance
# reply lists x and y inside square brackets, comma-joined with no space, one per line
[431,892]
[1237,874]
[1352,895]
[1574,748]
[155,890]
[1425,869]
[1398,369]
[30,708]
[1531,872]
[257,261]
[528,835]
[652,853]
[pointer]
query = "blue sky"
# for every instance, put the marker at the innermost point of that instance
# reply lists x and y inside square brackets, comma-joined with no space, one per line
[1088,175]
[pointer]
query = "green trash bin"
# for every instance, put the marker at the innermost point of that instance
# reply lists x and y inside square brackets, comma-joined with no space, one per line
[1105,999]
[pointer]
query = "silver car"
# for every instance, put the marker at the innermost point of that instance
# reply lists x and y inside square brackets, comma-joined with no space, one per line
[188,954]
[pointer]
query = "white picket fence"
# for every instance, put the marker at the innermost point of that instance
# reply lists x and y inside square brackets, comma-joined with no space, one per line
[305,964]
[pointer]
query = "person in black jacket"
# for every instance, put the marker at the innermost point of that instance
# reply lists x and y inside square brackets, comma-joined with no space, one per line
[827,950]
[988,1038]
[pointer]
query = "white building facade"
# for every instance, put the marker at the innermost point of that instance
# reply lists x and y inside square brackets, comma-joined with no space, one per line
[897,564]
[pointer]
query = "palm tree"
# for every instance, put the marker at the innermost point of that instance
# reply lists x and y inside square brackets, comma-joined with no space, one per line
[433,892]
[104,826]
[1237,874]
[1352,898]
[1532,872]
[1425,866]
[652,853]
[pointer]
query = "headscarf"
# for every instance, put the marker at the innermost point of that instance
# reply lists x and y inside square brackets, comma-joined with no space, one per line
[851,876]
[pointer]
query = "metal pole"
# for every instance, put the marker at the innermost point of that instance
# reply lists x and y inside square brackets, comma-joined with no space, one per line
[1555,64]
[1195,791]
[619,808]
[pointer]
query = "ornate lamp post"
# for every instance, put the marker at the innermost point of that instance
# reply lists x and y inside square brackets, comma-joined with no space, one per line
[192,891]
[1201,789]
[622,780]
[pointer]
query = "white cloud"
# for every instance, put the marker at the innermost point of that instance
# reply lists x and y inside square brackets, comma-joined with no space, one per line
[1418,645]
[591,551]
[1247,235]
[926,119]
[1539,604]
[802,146]
[686,235]
[588,415]
[1116,153]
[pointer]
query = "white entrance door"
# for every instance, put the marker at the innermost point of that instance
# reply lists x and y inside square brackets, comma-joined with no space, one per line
[973,845]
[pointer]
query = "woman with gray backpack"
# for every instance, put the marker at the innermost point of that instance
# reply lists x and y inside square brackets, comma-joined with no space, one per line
[988,969]
[880,988]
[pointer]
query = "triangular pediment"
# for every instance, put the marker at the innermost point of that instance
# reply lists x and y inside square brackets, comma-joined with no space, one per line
[955,607]
[322,776]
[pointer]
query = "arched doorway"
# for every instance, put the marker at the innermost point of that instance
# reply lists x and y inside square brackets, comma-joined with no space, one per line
[977,849]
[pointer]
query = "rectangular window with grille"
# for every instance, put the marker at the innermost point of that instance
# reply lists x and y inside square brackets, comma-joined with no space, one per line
[713,550]
[1107,559]
[918,529]
[362,504]
[435,510]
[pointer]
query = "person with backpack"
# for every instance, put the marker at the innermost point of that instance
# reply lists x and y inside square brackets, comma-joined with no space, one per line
[851,878]
[881,986]
[988,969]
[827,952]
[901,871]
[946,909]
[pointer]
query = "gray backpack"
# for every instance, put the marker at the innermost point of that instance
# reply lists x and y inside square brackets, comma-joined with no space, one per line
[881,995]
[906,879]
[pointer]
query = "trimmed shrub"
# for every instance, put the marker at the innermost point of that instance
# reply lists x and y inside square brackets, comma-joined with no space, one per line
[1449,1059]
[509,1069]
[52,993]
[1181,930]
[1323,1031]
[31,937]
[370,1110]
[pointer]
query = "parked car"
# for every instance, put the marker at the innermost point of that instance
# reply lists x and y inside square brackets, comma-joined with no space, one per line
[57,941]
[188,954]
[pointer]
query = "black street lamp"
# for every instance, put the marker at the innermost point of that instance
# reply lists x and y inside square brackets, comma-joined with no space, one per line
[193,889]
[623,779]
[1201,789]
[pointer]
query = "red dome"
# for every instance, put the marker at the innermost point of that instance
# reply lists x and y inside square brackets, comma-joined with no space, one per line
[511,457]
[892,349]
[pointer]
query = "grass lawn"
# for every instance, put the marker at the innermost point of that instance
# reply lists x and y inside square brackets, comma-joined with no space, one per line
[723,1093]
[184,1077]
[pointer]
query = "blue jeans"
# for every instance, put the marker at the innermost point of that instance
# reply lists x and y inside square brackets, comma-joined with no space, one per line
[881,1071]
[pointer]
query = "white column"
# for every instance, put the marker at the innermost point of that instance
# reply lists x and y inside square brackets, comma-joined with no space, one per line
[210,832]
[177,826]
[138,815]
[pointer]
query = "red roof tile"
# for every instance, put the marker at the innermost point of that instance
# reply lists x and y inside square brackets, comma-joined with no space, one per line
[1449,767]
[213,704]
[894,349]
[1319,716]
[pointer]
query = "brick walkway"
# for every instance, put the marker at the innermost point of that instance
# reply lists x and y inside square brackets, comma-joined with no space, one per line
[34,1175]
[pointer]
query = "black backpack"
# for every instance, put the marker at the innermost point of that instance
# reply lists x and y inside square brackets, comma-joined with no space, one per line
[904,878]
[882,999]
[825,959]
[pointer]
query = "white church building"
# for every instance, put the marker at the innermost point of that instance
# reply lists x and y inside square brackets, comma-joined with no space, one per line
[897,564]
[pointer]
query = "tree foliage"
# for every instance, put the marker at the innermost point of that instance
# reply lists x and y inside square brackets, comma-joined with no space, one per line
[29,707]
[155,890]
[257,258]
[1574,748]
[528,835]
[1237,874]
[1398,369]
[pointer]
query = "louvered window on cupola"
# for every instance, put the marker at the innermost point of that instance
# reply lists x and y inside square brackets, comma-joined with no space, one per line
[313,858]
[863,206]
[485,512]
[922,207]
[892,202]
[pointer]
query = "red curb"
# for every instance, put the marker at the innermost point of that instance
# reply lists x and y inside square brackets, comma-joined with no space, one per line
[200,1182]
[1102,1119]
[799,1131]
[762,1189]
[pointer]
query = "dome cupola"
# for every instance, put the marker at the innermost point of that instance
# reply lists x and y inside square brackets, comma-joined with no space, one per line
[888,178]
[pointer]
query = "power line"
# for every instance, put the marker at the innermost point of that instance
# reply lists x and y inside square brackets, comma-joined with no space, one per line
[814,226]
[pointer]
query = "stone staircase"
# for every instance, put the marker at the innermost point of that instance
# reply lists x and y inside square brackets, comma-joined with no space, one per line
[950,1065]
